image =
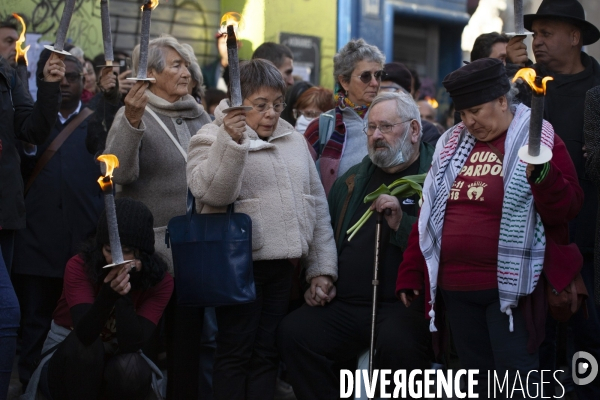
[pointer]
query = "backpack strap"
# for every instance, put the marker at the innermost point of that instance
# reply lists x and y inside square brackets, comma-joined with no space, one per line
[326,125]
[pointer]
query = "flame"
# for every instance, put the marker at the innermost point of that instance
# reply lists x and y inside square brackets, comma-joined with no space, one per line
[21,52]
[432,102]
[111,162]
[231,18]
[150,5]
[528,75]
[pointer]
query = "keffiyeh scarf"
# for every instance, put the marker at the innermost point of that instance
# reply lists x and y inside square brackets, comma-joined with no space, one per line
[522,238]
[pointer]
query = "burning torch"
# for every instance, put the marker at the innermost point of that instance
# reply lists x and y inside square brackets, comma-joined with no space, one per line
[21,56]
[535,153]
[232,22]
[519,24]
[63,27]
[106,184]
[144,41]
[106,35]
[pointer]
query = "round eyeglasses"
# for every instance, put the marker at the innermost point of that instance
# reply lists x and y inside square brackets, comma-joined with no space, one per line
[264,107]
[370,129]
[308,114]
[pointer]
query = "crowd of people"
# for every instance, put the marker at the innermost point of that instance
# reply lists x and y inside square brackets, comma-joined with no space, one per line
[466,268]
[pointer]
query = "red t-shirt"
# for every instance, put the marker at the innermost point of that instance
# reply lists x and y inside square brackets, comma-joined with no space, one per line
[78,289]
[469,253]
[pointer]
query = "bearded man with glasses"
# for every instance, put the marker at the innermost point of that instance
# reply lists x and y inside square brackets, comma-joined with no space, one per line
[326,333]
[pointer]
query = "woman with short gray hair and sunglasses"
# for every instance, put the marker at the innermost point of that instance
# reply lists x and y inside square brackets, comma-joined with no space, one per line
[257,161]
[357,70]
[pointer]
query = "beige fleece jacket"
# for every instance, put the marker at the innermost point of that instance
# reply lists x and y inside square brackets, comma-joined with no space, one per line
[275,182]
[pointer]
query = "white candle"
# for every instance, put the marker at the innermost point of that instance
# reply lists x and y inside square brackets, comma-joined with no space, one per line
[65,21]
[144,40]
[106,36]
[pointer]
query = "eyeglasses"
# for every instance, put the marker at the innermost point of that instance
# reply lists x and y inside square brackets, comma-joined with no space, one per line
[366,76]
[369,130]
[308,114]
[72,77]
[264,107]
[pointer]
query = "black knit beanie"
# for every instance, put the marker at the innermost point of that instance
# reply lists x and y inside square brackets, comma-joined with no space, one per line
[135,223]
[477,83]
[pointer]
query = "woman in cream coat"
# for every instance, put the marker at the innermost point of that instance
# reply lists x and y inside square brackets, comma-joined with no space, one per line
[257,161]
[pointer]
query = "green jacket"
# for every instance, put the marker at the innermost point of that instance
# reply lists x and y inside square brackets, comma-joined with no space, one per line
[354,184]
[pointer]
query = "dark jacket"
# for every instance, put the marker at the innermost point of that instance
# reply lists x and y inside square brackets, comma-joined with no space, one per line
[362,174]
[63,206]
[563,108]
[591,129]
[105,106]
[20,119]
[209,73]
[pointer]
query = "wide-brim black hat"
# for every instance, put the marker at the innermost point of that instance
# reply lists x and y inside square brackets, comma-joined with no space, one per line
[570,10]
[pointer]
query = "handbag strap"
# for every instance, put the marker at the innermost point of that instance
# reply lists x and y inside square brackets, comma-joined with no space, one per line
[191,205]
[55,145]
[162,124]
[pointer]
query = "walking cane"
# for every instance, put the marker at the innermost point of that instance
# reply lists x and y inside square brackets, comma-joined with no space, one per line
[375,287]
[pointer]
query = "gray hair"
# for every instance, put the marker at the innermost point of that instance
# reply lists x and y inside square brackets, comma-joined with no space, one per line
[353,52]
[194,68]
[156,55]
[259,73]
[406,107]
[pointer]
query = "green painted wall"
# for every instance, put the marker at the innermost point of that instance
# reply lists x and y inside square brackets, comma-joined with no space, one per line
[43,16]
[265,19]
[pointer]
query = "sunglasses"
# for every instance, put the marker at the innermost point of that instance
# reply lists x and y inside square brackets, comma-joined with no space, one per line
[366,76]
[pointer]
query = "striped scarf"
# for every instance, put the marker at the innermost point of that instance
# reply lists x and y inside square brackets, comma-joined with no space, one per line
[522,238]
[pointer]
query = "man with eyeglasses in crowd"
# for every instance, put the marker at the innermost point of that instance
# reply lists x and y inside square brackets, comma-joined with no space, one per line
[327,332]
[397,78]
[63,202]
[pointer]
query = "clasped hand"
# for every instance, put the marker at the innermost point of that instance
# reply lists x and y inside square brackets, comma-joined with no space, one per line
[321,291]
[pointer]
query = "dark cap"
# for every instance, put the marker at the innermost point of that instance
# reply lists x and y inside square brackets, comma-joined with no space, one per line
[477,83]
[570,10]
[399,74]
[135,222]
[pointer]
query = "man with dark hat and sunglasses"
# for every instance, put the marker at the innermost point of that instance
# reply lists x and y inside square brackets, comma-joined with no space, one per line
[559,33]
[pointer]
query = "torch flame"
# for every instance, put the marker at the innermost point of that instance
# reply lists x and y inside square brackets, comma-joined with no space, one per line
[432,102]
[231,18]
[111,162]
[21,52]
[150,5]
[528,75]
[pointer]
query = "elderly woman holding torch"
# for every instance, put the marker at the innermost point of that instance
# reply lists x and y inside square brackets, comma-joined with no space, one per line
[480,192]
[150,136]
[257,161]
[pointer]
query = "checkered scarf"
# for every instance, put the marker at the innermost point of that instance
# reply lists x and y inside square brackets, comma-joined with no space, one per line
[522,239]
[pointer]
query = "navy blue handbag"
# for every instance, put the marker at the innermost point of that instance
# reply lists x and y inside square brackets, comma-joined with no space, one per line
[212,257]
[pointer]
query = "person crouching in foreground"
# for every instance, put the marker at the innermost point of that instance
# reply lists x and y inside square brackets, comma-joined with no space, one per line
[106,316]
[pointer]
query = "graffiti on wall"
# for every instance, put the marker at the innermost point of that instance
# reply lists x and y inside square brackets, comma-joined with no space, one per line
[190,21]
